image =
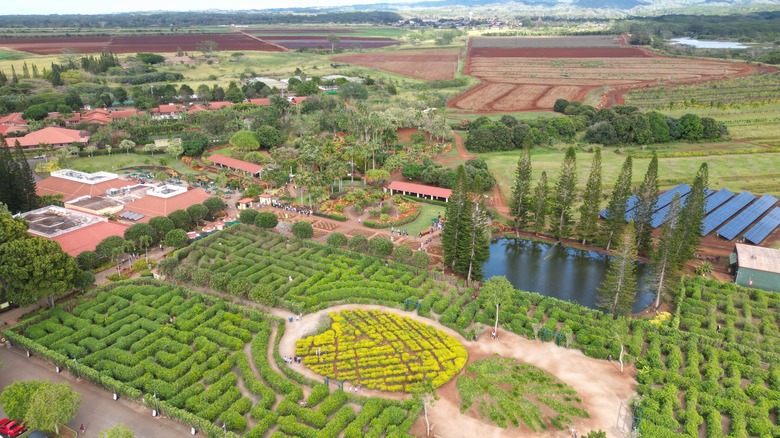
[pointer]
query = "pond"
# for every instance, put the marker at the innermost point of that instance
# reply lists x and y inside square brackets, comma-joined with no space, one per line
[701,44]
[557,271]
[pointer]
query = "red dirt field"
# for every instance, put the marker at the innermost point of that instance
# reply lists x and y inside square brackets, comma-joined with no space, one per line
[532,79]
[559,52]
[297,42]
[133,44]
[427,64]
[322,31]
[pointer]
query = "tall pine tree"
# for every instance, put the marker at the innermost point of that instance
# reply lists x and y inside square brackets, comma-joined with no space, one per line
[539,215]
[618,202]
[663,256]
[473,249]
[564,196]
[591,200]
[452,219]
[25,182]
[691,218]
[618,290]
[521,191]
[647,198]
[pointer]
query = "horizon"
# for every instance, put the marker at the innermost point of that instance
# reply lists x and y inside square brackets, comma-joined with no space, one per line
[80,7]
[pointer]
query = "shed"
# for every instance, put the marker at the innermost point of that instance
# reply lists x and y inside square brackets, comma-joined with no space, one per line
[420,191]
[757,267]
[244,203]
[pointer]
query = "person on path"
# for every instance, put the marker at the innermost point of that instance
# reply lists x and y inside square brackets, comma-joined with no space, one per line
[82,429]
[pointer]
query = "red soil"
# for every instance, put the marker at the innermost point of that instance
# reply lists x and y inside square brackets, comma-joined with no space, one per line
[297,42]
[559,52]
[433,64]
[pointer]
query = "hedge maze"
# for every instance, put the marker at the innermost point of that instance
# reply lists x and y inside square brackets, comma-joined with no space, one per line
[185,353]
[321,275]
[382,351]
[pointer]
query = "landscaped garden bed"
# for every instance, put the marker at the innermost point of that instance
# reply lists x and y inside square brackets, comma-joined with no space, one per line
[382,351]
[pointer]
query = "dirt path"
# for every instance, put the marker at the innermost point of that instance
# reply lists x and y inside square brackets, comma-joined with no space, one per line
[600,385]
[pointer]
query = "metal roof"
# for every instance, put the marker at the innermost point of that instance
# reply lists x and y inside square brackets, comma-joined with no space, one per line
[758,258]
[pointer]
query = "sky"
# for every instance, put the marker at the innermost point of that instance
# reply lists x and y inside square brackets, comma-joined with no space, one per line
[98,7]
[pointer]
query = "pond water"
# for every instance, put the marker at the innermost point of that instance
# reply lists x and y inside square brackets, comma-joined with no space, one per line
[706,44]
[557,271]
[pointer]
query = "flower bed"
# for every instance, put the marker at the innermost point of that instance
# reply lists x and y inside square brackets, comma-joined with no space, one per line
[382,351]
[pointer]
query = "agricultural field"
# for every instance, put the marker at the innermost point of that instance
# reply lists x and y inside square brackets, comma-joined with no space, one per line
[134,44]
[531,73]
[507,391]
[382,351]
[199,360]
[426,64]
[734,165]
[294,42]
[550,41]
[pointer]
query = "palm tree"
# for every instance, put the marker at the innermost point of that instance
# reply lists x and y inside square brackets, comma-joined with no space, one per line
[145,241]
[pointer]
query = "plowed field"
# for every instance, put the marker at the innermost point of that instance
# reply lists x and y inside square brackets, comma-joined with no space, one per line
[293,42]
[133,44]
[533,78]
[427,64]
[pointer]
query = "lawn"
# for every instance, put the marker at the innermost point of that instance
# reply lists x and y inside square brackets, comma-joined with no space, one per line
[118,161]
[753,172]
[423,222]
[507,391]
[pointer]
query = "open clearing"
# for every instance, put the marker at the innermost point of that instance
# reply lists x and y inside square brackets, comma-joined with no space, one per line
[532,73]
[427,64]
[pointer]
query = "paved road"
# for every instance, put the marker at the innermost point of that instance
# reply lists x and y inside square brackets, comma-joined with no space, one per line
[98,410]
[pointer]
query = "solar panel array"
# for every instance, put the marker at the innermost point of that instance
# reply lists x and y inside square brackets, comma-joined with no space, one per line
[724,212]
[717,199]
[744,219]
[665,203]
[630,204]
[765,226]
[131,216]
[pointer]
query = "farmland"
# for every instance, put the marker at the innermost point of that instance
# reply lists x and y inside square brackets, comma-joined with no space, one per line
[294,42]
[382,351]
[197,359]
[133,44]
[427,64]
[541,42]
[709,354]
[533,78]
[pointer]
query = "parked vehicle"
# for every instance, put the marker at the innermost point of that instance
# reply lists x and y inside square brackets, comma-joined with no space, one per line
[12,429]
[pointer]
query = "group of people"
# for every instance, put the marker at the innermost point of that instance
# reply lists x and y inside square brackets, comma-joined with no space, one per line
[399,231]
[292,208]
[293,360]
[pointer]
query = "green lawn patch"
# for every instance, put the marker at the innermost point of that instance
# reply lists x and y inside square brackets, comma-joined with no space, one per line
[507,391]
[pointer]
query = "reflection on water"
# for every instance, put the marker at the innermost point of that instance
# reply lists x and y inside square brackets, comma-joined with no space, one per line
[557,271]
[701,44]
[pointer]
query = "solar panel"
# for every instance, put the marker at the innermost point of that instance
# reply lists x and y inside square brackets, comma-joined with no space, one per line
[765,226]
[744,219]
[725,211]
[630,204]
[666,197]
[659,217]
[717,199]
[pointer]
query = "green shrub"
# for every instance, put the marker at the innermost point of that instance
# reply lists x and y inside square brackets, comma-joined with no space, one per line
[337,239]
[302,230]
[266,219]
[359,243]
[380,247]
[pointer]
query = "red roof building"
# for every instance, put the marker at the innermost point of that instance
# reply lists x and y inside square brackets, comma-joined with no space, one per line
[170,111]
[7,130]
[153,206]
[238,165]
[219,105]
[260,101]
[55,137]
[13,119]
[72,188]
[420,190]
[87,238]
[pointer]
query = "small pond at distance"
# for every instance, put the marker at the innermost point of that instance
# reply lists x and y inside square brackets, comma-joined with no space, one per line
[704,44]
[557,271]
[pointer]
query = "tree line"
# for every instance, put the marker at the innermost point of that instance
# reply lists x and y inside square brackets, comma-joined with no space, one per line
[176,20]
[618,125]
[543,210]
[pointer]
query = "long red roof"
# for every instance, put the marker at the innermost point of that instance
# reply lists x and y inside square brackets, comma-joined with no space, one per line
[87,238]
[420,189]
[52,135]
[152,206]
[235,164]
[74,189]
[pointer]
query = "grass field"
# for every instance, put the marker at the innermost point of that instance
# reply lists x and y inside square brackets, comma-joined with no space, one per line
[423,222]
[757,173]
[114,162]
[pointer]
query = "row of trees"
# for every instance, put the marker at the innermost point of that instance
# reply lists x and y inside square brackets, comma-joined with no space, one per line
[619,125]
[465,238]
[543,211]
